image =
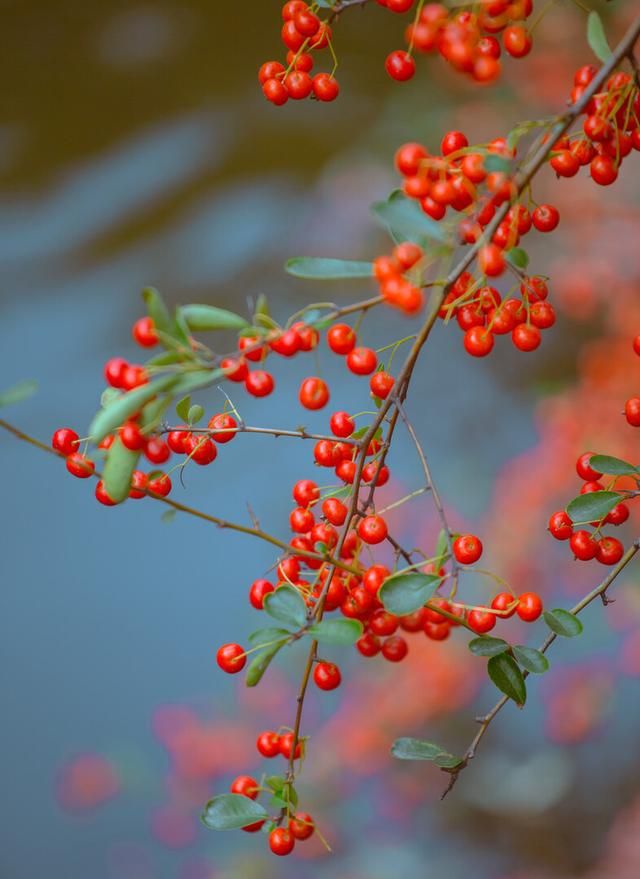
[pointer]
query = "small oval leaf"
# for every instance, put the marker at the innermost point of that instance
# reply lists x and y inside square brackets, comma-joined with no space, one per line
[337,632]
[266,636]
[517,257]
[231,812]
[286,605]
[506,675]
[326,269]
[592,507]
[118,469]
[563,623]
[17,393]
[415,749]
[405,593]
[117,412]
[531,659]
[260,663]
[406,221]
[208,317]
[596,37]
[613,466]
[157,310]
[487,646]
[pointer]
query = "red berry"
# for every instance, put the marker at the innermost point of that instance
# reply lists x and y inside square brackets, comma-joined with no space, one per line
[529,607]
[159,485]
[131,436]
[270,70]
[176,440]
[286,746]
[603,170]
[609,550]
[381,384]
[560,525]
[342,424]
[200,449]
[259,383]
[65,441]
[268,743]
[139,482]
[246,786]
[325,87]
[341,338]
[80,466]
[491,260]
[467,549]
[301,520]
[313,393]
[395,648]
[144,332]
[157,450]
[305,492]
[362,361]
[225,427]
[102,496]
[326,676]
[372,529]
[259,590]
[632,411]
[281,841]
[582,545]
[478,341]
[505,601]
[231,658]
[481,621]
[516,41]
[114,371]
[452,142]
[368,645]
[334,511]
[400,65]
[545,218]
[618,515]
[306,23]
[584,469]
[298,84]
[236,370]
[301,826]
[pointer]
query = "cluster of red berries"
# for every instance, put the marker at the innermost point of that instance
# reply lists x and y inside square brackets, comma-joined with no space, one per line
[465,39]
[66,442]
[610,131]
[390,273]
[302,34]
[299,827]
[586,545]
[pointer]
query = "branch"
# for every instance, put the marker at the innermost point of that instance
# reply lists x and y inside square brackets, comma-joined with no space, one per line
[299,433]
[485,721]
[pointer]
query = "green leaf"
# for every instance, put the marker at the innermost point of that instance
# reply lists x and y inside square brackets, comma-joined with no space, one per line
[487,646]
[505,674]
[118,468]
[531,659]
[286,605]
[496,162]
[442,550]
[596,37]
[339,632]
[116,413]
[208,317]
[563,623]
[416,749]
[152,412]
[194,380]
[613,466]
[17,393]
[108,396]
[158,311]
[168,516]
[166,358]
[195,413]
[231,812]
[262,306]
[405,593]
[182,408]
[260,663]
[325,269]
[517,257]
[266,636]
[593,506]
[406,221]
[278,785]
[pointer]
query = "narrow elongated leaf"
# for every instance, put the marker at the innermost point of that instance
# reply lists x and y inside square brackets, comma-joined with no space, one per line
[563,623]
[260,663]
[157,310]
[196,379]
[406,221]
[487,646]
[231,812]
[153,411]
[118,469]
[287,606]
[596,37]
[326,269]
[442,549]
[209,317]
[404,593]
[117,412]
[266,636]
[337,632]
[416,749]
[18,393]
[531,659]
[613,466]
[593,506]
[506,675]
[495,162]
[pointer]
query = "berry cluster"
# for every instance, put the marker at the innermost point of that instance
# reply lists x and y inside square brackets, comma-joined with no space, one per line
[303,34]
[465,39]
[586,545]
[610,131]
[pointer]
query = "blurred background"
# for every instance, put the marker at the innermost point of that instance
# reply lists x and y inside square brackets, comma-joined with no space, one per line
[135,149]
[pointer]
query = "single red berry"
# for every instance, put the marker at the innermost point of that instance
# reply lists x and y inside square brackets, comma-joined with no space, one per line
[139,481]
[259,590]
[313,393]
[609,550]
[478,341]
[281,841]
[342,424]
[326,676]
[545,218]
[286,343]
[259,383]
[632,411]
[383,623]
[157,450]
[114,371]
[368,645]
[400,65]
[381,384]
[481,621]
[325,87]
[235,369]
[306,23]
[341,338]
[286,746]
[395,648]
[246,786]
[301,520]
[65,441]
[467,549]
[407,254]
[133,376]
[301,826]
[452,142]
[437,631]
[80,466]
[231,658]
[132,437]
[491,260]
[298,84]
[618,515]
[144,332]
[373,472]
[505,602]
[334,511]
[582,545]
[176,439]
[201,449]
[159,484]
[585,470]
[516,41]
[374,577]
[268,743]
[529,607]
[225,427]
[362,361]
[603,170]
[270,70]
[305,492]
[292,8]
[372,529]
[560,525]
[102,496]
